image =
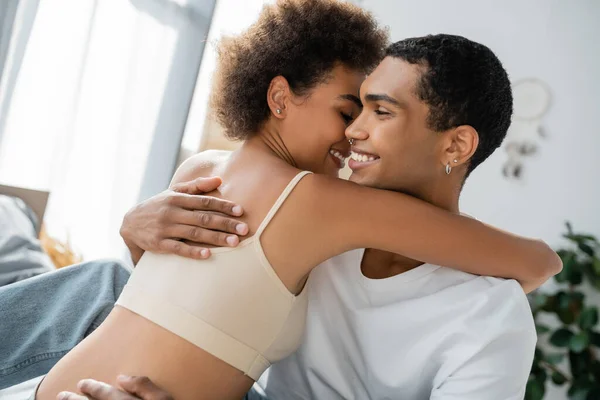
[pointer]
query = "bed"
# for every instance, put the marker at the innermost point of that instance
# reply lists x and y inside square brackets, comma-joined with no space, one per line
[21,253]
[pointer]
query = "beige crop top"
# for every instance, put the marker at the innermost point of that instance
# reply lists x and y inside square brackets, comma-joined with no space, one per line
[232,305]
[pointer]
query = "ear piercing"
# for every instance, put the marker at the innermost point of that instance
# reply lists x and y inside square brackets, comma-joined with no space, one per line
[449,168]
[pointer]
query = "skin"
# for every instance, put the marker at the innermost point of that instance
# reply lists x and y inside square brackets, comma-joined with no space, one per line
[329,216]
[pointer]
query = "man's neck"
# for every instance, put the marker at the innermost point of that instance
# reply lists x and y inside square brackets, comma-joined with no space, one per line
[379,264]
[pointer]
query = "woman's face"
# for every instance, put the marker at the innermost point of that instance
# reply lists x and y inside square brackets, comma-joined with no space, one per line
[314,124]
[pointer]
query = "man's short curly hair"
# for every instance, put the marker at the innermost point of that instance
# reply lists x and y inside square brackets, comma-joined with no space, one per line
[301,40]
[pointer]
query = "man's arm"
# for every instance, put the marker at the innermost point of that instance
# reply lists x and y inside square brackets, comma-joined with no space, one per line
[500,367]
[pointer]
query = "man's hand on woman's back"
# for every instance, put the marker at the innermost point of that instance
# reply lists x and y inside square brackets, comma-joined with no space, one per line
[181,219]
[133,388]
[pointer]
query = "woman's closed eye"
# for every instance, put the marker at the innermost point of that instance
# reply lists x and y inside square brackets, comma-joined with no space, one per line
[347,118]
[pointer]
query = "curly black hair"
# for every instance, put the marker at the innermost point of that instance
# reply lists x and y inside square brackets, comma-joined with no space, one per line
[301,40]
[463,83]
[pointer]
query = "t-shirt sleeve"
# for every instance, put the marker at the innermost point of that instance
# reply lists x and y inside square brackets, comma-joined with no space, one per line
[499,367]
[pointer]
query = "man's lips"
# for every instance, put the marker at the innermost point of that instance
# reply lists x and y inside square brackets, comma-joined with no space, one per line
[359,159]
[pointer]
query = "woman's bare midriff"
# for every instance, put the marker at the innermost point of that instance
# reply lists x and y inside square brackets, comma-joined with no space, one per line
[129,344]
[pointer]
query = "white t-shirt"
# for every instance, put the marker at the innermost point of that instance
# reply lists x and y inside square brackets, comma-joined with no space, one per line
[429,333]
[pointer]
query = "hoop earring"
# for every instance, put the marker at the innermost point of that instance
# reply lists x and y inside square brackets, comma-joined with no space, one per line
[448,169]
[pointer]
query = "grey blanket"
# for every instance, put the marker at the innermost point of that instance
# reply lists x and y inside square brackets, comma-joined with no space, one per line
[21,255]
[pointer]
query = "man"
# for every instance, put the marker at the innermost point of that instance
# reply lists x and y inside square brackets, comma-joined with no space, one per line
[381,325]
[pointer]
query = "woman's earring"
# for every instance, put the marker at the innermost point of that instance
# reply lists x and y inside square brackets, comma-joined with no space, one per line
[448,169]
[455,161]
[278,111]
[351,141]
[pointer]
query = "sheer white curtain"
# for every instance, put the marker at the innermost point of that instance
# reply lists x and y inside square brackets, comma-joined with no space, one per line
[100,103]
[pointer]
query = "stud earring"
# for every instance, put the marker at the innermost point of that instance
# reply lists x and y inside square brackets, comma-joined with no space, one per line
[455,161]
[278,111]
[351,141]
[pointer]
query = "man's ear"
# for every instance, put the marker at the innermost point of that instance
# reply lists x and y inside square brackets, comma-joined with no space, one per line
[278,96]
[460,145]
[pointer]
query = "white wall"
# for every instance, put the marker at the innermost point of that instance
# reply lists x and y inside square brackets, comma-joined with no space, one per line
[556,41]
[553,40]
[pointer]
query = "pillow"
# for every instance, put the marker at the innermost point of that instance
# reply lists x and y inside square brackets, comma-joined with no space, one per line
[21,255]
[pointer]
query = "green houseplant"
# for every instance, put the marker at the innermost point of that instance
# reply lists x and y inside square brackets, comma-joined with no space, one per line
[571,358]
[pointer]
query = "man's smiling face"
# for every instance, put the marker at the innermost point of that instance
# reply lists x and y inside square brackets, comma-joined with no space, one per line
[393,146]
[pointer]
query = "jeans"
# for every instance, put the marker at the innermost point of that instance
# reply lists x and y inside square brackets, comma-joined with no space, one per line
[44,317]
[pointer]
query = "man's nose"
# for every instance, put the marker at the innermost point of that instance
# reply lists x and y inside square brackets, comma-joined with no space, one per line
[356,132]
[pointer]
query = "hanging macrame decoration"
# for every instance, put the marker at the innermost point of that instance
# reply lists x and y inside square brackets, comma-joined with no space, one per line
[531,99]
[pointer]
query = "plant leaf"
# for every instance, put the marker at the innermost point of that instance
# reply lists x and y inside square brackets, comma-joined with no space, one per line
[579,342]
[586,248]
[595,369]
[539,300]
[566,316]
[558,378]
[554,358]
[588,318]
[551,304]
[569,228]
[575,277]
[596,264]
[577,296]
[575,303]
[595,338]
[541,329]
[590,274]
[538,354]
[581,238]
[564,300]
[535,390]
[561,337]
[568,259]
[580,364]
[579,394]
[594,394]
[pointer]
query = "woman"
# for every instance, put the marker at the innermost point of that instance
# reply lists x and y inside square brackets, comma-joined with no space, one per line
[229,317]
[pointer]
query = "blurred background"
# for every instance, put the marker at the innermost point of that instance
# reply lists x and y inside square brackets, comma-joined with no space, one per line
[100,100]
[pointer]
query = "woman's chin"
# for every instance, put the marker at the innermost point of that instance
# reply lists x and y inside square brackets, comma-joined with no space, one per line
[332,172]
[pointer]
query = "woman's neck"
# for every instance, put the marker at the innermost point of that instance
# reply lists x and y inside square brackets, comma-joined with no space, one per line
[270,140]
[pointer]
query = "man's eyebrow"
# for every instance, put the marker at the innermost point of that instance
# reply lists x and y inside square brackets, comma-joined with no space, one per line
[372,97]
[352,98]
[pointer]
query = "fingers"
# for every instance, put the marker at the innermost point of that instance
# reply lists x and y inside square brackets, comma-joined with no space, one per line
[206,220]
[171,246]
[203,236]
[205,203]
[139,387]
[95,390]
[143,387]
[198,185]
[70,396]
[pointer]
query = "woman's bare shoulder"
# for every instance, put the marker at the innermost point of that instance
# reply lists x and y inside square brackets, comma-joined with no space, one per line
[204,164]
